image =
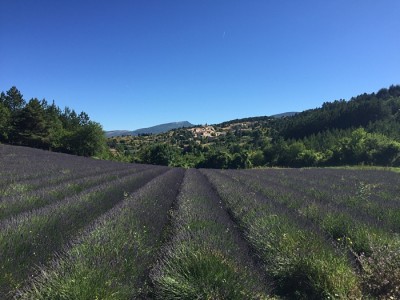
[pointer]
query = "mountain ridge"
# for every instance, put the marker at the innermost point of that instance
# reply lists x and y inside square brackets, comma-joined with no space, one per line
[161,128]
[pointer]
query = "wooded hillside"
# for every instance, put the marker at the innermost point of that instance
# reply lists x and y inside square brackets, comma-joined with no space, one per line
[363,130]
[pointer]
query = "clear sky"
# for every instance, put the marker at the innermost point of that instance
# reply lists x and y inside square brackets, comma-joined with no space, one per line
[132,64]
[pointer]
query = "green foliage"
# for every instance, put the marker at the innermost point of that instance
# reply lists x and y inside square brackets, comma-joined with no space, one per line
[88,140]
[14,100]
[361,147]
[30,126]
[215,160]
[40,125]
[158,154]
[359,111]
[257,158]
[5,122]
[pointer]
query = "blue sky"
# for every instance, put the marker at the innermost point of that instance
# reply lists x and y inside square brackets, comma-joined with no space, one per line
[133,64]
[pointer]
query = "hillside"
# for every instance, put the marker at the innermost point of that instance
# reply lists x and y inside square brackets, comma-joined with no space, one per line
[78,228]
[150,130]
[363,130]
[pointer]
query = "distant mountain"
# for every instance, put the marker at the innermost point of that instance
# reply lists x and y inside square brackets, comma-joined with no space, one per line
[162,128]
[118,133]
[286,114]
[150,130]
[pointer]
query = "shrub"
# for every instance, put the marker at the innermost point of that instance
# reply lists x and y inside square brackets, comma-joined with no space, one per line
[381,270]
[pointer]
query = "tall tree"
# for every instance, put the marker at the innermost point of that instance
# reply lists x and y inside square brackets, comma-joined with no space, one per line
[5,122]
[14,99]
[30,126]
[88,140]
[158,154]
[54,126]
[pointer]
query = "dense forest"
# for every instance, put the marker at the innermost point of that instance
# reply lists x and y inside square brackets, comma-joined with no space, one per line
[38,124]
[364,130]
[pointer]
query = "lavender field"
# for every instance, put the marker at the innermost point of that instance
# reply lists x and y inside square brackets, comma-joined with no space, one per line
[79,228]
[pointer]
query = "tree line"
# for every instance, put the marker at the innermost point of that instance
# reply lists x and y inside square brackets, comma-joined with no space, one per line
[39,124]
[364,130]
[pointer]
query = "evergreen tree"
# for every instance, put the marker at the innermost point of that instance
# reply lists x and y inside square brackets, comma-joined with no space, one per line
[5,122]
[14,100]
[38,124]
[30,125]
[54,125]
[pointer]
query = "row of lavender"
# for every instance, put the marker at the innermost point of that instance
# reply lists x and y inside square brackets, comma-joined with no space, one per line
[206,257]
[171,239]
[356,212]
[112,257]
[230,236]
[295,254]
[148,233]
[101,230]
[23,169]
[48,200]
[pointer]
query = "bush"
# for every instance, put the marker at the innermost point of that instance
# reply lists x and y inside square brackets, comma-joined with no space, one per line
[381,271]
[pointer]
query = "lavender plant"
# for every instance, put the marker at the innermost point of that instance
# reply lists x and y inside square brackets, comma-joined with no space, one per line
[381,270]
[112,258]
[207,257]
[31,238]
[50,193]
[301,262]
[351,230]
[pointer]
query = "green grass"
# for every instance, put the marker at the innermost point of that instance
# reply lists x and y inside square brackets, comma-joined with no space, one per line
[15,188]
[365,167]
[202,273]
